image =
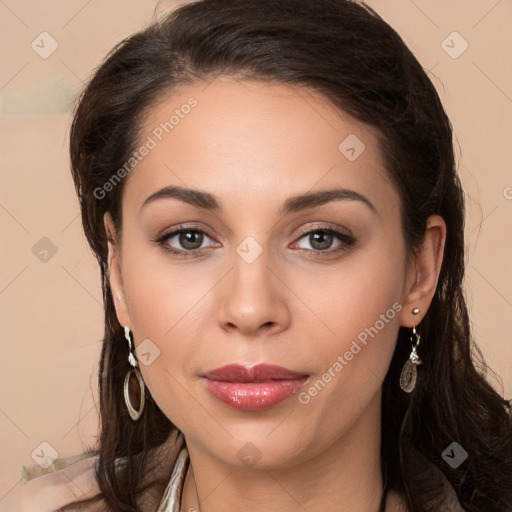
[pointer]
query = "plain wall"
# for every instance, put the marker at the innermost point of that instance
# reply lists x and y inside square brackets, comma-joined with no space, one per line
[51,311]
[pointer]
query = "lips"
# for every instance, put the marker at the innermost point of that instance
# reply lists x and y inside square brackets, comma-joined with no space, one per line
[253,388]
[259,373]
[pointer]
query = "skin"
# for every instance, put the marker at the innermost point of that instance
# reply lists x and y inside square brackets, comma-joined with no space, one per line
[253,145]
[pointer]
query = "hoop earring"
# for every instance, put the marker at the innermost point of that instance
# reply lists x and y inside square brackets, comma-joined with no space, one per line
[409,374]
[135,414]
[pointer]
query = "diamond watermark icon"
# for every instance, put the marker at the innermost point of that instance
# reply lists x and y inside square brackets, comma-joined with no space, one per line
[249,249]
[249,454]
[44,454]
[44,250]
[454,45]
[147,352]
[44,45]
[352,147]
[455,455]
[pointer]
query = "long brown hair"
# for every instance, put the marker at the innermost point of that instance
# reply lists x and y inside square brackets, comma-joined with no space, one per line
[345,51]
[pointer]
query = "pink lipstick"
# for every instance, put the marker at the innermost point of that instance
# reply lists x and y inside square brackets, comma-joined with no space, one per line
[253,388]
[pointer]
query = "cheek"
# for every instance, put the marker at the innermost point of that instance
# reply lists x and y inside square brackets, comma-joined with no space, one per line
[167,306]
[353,295]
[361,306]
[161,293]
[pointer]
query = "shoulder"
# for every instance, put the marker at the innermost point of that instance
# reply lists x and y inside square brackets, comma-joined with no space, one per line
[47,490]
[73,478]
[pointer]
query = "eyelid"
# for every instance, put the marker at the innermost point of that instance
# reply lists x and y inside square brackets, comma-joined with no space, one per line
[183,227]
[176,230]
[325,227]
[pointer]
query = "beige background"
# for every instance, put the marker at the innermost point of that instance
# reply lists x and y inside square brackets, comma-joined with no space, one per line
[51,311]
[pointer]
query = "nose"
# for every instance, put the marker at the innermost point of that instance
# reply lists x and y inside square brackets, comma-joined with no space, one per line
[253,298]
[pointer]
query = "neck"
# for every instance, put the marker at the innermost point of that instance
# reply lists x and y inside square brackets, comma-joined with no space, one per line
[345,475]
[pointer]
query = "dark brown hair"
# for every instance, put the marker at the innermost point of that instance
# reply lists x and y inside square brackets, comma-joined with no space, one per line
[346,52]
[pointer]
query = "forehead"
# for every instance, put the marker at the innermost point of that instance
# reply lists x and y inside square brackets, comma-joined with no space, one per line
[254,138]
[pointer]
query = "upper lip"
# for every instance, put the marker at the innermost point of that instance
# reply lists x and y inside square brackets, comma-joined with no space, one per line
[259,373]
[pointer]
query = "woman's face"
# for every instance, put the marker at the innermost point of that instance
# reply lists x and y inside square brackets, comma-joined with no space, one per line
[264,280]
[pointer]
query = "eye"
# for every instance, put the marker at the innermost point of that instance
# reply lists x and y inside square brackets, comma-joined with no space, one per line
[184,241]
[189,241]
[321,239]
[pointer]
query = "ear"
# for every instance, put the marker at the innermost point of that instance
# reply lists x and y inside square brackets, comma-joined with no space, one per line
[114,271]
[423,272]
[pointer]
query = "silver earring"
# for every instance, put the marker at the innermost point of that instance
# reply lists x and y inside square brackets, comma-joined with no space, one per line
[409,373]
[135,414]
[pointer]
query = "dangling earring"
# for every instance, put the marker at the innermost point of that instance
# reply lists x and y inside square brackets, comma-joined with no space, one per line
[134,413]
[409,373]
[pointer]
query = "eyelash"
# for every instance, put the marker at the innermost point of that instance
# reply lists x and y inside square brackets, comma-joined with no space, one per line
[346,240]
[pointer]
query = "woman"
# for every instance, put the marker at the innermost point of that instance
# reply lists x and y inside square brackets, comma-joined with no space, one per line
[270,190]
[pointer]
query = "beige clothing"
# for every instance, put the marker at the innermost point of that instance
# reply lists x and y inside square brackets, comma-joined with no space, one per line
[72,478]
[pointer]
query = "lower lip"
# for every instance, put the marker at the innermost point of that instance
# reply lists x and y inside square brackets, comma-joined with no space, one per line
[254,396]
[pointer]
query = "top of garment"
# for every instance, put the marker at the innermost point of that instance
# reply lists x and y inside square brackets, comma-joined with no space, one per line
[171,500]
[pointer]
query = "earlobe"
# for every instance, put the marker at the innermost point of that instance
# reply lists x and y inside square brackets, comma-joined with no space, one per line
[424,270]
[114,271]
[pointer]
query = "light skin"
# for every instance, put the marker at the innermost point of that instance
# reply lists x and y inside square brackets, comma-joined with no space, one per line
[253,146]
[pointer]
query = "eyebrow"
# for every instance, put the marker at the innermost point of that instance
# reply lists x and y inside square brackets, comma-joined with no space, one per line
[207,201]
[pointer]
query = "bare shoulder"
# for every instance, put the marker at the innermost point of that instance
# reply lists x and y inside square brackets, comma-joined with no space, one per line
[46,491]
